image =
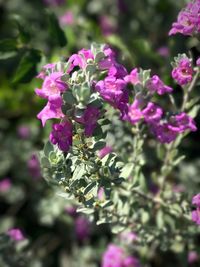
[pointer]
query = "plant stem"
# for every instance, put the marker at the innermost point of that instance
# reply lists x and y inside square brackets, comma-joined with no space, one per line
[188,91]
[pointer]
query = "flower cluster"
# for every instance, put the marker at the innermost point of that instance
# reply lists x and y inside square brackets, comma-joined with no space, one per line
[115,256]
[188,21]
[196,213]
[74,86]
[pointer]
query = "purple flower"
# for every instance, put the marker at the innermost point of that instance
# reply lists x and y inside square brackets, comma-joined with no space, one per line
[152,113]
[196,216]
[52,85]
[133,77]
[5,185]
[134,113]
[154,84]
[89,119]
[51,110]
[71,210]
[82,228]
[196,200]
[182,122]
[105,151]
[91,115]
[192,257]
[61,135]
[23,131]
[109,60]
[183,72]
[118,71]
[112,90]
[34,166]
[113,257]
[188,20]
[16,234]
[163,132]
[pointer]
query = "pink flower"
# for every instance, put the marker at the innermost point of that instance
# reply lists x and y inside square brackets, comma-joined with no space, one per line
[128,237]
[196,216]
[82,228]
[131,261]
[113,257]
[34,166]
[134,113]
[109,60]
[101,194]
[155,85]
[188,22]
[105,151]
[43,73]
[52,85]
[23,131]
[163,51]
[16,234]
[182,122]
[80,59]
[133,77]
[192,257]
[163,132]
[61,135]
[67,18]
[152,112]
[183,72]
[51,110]
[89,119]
[5,185]
[196,200]
[118,71]
[107,25]
[112,90]
[198,62]
[71,210]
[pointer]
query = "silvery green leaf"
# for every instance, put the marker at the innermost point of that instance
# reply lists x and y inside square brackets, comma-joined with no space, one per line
[85,210]
[90,188]
[79,172]
[69,98]
[48,148]
[127,170]
[99,56]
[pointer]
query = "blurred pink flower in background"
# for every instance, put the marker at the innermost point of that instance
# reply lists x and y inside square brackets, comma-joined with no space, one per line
[34,166]
[107,25]
[16,234]
[192,257]
[23,131]
[67,18]
[5,185]
[163,51]
[82,228]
